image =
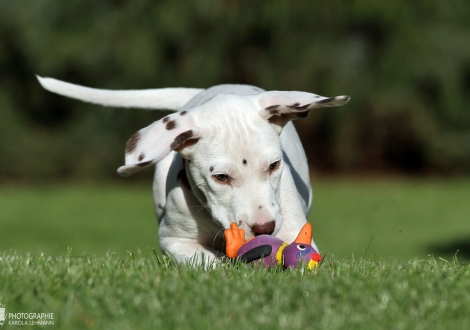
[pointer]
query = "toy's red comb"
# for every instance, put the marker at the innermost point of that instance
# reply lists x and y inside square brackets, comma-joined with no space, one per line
[305,235]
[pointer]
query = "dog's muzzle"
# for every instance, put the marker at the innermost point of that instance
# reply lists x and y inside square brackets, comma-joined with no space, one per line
[266,228]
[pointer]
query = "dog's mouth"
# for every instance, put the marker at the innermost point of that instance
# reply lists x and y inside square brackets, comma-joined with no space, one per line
[255,234]
[263,229]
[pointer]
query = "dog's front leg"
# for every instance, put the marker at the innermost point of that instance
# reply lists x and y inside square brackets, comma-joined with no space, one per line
[184,239]
[184,250]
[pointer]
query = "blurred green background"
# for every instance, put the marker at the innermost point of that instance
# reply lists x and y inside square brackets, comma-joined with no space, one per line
[406,65]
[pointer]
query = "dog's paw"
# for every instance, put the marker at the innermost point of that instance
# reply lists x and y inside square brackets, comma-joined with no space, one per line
[234,238]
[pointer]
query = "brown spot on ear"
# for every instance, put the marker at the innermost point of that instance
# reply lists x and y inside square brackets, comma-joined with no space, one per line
[143,164]
[326,100]
[244,162]
[274,112]
[132,143]
[179,140]
[297,107]
[166,119]
[272,107]
[141,156]
[160,206]
[170,125]
[182,113]
[302,114]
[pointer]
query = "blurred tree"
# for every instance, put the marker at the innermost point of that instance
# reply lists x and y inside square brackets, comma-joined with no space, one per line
[405,64]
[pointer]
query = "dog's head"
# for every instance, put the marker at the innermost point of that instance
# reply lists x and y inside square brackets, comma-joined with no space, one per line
[233,152]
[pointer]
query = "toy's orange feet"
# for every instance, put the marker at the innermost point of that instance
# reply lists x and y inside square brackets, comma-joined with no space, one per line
[234,238]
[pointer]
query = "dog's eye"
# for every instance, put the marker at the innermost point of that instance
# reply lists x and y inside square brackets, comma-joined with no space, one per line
[221,178]
[301,247]
[274,166]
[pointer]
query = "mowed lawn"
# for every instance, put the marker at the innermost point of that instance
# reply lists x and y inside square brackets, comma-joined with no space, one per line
[384,219]
[141,293]
[85,254]
[92,220]
[393,219]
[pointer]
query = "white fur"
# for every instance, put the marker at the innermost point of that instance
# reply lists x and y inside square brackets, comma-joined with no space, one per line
[236,130]
[163,98]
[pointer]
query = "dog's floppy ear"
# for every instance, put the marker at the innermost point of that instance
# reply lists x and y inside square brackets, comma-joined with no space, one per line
[281,107]
[153,143]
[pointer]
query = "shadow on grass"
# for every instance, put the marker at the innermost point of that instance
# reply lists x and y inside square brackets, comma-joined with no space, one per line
[459,247]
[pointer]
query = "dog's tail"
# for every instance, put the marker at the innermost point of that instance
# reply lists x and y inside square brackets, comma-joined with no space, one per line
[163,98]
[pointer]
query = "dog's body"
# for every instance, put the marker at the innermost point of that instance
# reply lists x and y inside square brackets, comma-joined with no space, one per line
[230,154]
[179,208]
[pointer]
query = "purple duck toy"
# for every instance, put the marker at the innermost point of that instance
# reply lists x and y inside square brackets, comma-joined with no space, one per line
[271,250]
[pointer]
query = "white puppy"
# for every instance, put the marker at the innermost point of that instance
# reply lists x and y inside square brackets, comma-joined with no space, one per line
[230,154]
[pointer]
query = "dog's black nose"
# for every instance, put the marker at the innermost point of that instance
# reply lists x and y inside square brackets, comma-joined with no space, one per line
[266,228]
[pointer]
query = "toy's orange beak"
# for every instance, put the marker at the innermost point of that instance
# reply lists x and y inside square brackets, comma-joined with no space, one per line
[305,235]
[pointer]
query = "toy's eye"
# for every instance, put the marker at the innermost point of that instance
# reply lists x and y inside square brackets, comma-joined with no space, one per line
[274,166]
[221,178]
[301,247]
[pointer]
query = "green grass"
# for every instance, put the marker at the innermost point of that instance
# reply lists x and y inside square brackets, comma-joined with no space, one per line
[141,292]
[387,220]
[392,220]
[92,220]
[376,236]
